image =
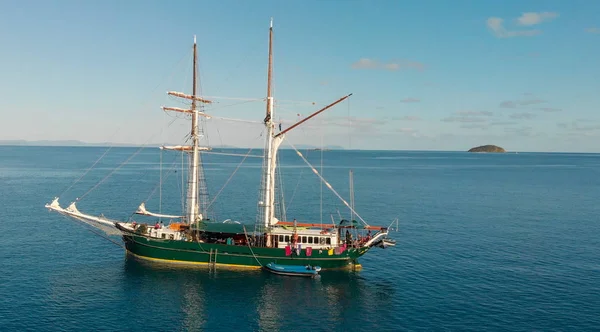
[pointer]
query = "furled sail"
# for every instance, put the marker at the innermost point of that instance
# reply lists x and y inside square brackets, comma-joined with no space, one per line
[142,210]
[99,222]
[183,110]
[187,148]
[186,96]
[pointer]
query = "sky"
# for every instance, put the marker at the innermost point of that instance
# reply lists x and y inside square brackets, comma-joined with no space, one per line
[427,75]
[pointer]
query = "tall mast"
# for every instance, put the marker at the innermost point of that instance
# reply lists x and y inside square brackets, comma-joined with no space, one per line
[192,202]
[268,197]
[197,193]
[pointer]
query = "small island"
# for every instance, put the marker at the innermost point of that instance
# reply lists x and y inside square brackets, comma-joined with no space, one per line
[487,148]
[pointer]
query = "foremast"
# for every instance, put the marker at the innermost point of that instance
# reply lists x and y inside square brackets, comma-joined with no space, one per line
[195,206]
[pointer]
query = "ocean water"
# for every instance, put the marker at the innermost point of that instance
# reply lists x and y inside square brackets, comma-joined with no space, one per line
[486,242]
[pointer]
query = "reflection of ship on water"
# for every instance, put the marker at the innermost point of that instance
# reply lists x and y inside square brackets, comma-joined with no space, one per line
[256,300]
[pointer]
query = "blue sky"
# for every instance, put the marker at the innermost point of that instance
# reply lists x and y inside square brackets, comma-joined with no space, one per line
[433,75]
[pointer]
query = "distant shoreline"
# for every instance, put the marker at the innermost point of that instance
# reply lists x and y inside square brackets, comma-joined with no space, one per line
[79,144]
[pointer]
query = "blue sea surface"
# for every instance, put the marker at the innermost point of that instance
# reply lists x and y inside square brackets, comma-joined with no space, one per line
[486,242]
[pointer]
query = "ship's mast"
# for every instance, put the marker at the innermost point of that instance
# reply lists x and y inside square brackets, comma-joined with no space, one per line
[197,193]
[271,145]
[269,186]
[192,199]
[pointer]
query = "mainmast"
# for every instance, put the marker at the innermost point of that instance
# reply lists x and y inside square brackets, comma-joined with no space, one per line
[271,146]
[192,202]
[272,143]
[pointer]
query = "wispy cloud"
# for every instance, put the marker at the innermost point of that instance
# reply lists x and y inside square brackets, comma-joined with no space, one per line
[474,126]
[574,126]
[475,113]
[593,30]
[406,130]
[530,102]
[408,118]
[533,18]
[496,24]
[464,119]
[410,100]
[366,63]
[508,104]
[524,115]
[522,131]
[503,123]
[516,103]
[550,109]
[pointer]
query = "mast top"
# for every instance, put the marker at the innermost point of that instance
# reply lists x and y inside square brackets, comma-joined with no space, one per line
[271,22]
[194,39]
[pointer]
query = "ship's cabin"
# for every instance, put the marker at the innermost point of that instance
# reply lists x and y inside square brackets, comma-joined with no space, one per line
[317,238]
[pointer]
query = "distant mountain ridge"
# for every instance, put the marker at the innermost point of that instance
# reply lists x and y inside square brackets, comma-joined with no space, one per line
[22,142]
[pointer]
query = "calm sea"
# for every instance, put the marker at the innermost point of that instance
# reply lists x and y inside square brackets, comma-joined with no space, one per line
[486,242]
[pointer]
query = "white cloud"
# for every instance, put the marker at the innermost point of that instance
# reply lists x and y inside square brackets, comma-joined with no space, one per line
[409,118]
[550,109]
[576,127]
[406,130]
[514,104]
[496,25]
[503,123]
[366,63]
[463,119]
[410,100]
[474,126]
[593,30]
[475,113]
[522,116]
[532,18]
[523,131]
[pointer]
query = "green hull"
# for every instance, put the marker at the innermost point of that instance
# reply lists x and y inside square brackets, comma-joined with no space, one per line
[235,255]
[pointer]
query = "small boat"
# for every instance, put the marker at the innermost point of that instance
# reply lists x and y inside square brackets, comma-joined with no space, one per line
[293,270]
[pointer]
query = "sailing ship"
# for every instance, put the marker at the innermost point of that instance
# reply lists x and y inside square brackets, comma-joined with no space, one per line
[196,239]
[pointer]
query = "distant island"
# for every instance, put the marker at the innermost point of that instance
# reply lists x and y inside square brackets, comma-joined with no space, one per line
[487,148]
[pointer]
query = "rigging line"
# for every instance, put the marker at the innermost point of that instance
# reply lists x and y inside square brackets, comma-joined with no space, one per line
[122,164]
[321,130]
[89,169]
[230,105]
[249,247]
[219,134]
[182,188]
[227,182]
[327,183]
[232,154]
[100,235]
[349,127]
[234,98]
[295,189]
[169,172]
[232,119]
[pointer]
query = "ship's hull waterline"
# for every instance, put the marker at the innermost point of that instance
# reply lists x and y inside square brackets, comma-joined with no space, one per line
[237,256]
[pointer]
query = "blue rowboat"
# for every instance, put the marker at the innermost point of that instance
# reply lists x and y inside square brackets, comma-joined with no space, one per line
[293,270]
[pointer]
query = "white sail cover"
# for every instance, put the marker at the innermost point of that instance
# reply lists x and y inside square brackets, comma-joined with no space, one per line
[275,148]
[142,210]
[99,222]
